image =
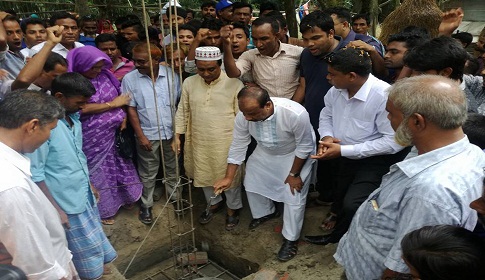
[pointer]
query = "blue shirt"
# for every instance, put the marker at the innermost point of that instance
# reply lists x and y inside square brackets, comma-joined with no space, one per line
[141,90]
[352,36]
[11,62]
[434,188]
[315,69]
[62,165]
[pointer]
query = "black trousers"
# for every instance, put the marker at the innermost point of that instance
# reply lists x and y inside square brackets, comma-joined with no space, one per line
[353,181]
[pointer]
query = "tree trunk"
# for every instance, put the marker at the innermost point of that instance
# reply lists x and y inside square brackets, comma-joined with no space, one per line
[291,18]
[81,7]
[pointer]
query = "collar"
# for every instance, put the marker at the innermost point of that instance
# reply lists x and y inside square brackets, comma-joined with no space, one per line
[364,90]
[281,49]
[20,161]
[161,72]
[74,117]
[216,81]
[417,164]
[463,84]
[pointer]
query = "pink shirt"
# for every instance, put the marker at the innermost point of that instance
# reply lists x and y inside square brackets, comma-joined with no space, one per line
[125,67]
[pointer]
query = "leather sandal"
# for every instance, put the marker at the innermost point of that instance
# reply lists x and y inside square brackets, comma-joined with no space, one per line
[288,250]
[145,215]
[257,222]
[232,221]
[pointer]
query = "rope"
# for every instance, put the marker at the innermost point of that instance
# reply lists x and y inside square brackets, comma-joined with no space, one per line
[173,110]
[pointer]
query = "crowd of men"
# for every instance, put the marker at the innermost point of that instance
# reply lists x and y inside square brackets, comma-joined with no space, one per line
[387,132]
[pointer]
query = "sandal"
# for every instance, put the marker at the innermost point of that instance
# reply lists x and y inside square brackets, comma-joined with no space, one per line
[329,222]
[145,215]
[108,222]
[232,221]
[288,250]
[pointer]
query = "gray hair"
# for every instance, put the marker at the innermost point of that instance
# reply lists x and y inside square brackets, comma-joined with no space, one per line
[439,99]
[21,106]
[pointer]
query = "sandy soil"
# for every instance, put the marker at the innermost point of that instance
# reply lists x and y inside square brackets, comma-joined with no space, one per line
[242,251]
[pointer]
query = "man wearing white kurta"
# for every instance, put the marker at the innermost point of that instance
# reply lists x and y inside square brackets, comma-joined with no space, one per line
[279,169]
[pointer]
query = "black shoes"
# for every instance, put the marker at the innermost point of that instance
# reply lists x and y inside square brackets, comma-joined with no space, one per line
[257,222]
[320,239]
[288,250]
[207,216]
[145,215]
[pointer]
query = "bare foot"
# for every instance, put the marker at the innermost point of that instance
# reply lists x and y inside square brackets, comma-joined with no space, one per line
[329,222]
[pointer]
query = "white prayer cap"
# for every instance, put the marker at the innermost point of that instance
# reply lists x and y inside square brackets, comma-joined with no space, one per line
[208,53]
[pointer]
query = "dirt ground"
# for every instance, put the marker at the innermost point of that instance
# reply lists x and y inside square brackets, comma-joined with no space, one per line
[241,251]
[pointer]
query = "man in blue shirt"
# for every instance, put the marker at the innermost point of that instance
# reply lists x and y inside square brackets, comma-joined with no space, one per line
[60,169]
[435,187]
[10,45]
[319,35]
[341,18]
[151,120]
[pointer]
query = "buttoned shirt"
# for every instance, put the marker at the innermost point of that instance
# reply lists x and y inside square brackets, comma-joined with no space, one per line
[168,93]
[59,48]
[278,74]
[434,188]
[281,137]
[359,122]
[11,62]
[30,229]
[62,165]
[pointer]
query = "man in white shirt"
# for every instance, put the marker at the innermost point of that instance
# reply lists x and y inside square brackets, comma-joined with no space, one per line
[35,32]
[69,35]
[356,136]
[31,230]
[279,169]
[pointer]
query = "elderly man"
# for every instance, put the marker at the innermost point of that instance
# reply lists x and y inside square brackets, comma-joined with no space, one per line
[206,116]
[29,220]
[59,167]
[152,125]
[274,65]
[279,169]
[434,187]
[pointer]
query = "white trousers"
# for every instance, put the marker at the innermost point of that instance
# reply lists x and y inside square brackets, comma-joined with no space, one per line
[233,197]
[292,217]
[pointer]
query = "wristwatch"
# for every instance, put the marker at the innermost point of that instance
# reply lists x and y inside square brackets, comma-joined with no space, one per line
[294,174]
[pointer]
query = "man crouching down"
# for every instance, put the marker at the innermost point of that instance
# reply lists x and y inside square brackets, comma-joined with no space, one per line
[279,169]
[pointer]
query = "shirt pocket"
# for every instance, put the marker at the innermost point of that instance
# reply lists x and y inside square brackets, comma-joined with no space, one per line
[359,130]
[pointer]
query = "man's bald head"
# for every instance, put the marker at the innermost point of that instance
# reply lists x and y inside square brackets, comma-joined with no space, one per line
[257,93]
[438,99]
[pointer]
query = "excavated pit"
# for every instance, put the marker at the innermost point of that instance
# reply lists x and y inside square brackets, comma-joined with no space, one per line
[240,252]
